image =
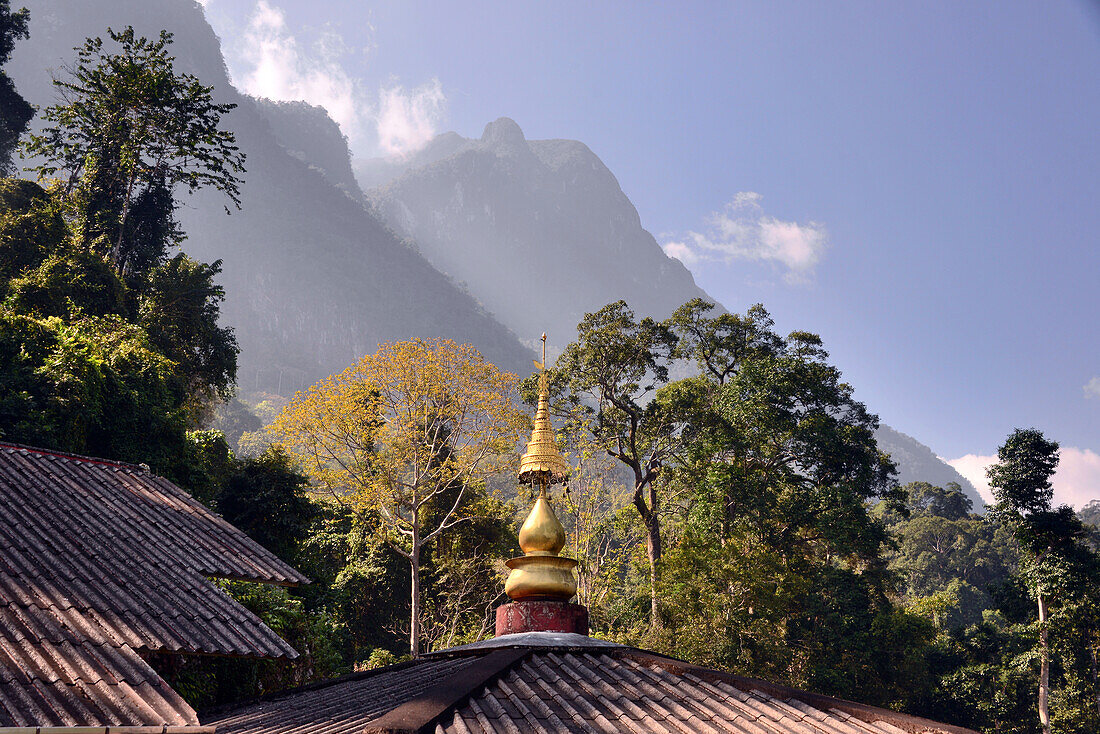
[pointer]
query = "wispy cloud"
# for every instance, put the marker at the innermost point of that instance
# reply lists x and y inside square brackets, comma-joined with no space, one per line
[408,119]
[268,60]
[742,231]
[1092,388]
[1076,482]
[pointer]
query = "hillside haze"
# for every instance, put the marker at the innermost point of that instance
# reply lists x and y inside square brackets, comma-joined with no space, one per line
[313,280]
[918,463]
[494,212]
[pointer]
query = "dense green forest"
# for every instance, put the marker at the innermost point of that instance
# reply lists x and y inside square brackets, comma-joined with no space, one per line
[742,517]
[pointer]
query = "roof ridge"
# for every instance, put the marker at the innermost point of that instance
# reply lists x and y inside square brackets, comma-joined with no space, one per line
[75,457]
[425,709]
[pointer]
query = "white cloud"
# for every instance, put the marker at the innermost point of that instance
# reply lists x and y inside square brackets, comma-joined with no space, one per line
[743,231]
[407,120]
[1076,482]
[972,467]
[268,60]
[681,251]
[1092,388]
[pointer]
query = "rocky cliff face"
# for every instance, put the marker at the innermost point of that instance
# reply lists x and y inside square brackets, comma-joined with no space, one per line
[313,280]
[494,212]
[310,135]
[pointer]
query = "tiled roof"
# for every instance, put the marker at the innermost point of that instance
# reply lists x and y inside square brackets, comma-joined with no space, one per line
[558,687]
[100,560]
[342,705]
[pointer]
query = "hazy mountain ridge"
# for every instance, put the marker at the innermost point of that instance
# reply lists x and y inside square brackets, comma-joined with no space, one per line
[310,135]
[312,279]
[494,212]
[916,462]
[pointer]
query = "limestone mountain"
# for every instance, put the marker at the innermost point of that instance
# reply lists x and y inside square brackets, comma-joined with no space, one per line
[491,212]
[918,463]
[312,279]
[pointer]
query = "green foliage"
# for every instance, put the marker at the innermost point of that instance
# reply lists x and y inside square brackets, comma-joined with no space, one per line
[31,227]
[15,112]
[129,130]
[178,305]
[91,385]
[1021,478]
[266,498]
[90,364]
[948,560]
[1090,514]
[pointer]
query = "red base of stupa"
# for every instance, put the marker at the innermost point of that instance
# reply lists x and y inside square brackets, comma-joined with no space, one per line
[541,616]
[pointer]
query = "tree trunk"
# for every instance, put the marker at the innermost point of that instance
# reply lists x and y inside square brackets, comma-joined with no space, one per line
[653,549]
[1044,666]
[414,564]
[1095,678]
[116,248]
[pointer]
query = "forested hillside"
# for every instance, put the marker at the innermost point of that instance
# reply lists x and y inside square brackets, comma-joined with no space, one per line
[312,280]
[918,463]
[739,514]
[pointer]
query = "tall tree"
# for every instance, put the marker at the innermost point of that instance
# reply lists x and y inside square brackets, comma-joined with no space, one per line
[1057,561]
[128,130]
[613,371]
[15,113]
[777,463]
[416,421]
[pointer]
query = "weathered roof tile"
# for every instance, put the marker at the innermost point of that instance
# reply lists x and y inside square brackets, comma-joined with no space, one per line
[558,689]
[98,560]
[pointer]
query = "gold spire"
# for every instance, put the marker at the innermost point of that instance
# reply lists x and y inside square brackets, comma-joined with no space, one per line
[541,573]
[542,460]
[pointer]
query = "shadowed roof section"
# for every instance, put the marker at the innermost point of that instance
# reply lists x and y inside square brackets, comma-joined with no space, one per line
[560,685]
[100,560]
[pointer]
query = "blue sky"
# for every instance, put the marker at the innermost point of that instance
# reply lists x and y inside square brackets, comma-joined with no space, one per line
[918,183]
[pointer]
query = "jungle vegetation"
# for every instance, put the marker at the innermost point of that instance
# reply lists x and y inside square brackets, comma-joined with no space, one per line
[740,517]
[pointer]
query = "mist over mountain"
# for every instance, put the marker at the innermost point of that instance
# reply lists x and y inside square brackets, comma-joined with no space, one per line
[918,463]
[312,279]
[494,211]
[310,135]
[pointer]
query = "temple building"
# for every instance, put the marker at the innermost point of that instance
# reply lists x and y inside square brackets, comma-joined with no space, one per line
[102,563]
[543,673]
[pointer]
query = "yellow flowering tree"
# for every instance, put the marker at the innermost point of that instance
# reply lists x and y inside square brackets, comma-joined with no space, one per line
[414,422]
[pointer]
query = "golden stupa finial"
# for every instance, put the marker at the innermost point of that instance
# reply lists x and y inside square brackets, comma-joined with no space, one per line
[541,573]
[542,460]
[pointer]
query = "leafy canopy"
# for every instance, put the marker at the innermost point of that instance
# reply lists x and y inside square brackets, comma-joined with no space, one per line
[15,113]
[130,127]
[403,425]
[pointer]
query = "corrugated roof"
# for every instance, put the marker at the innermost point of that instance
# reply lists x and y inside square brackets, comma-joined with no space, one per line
[343,705]
[559,687]
[99,560]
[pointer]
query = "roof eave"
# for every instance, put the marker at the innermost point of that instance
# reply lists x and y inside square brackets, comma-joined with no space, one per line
[162,729]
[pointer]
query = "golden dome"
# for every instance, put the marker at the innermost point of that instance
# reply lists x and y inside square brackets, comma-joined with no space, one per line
[541,573]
